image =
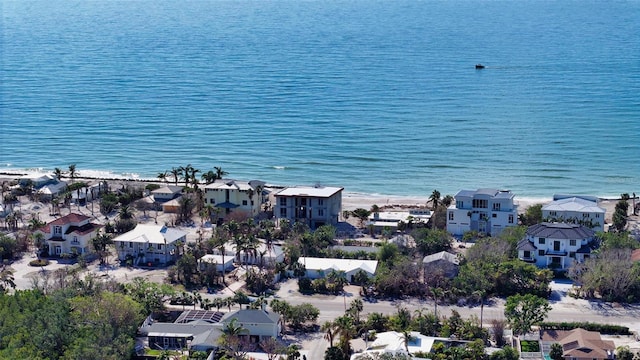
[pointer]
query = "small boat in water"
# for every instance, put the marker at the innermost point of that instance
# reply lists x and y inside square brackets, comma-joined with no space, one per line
[479,66]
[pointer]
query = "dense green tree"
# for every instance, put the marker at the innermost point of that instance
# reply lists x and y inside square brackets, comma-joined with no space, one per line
[532,215]
[524,311]
[361,214]
[611,274]
[556,352]
[431,241]
[506,353]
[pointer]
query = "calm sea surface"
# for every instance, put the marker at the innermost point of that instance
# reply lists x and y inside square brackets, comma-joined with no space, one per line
[376,96]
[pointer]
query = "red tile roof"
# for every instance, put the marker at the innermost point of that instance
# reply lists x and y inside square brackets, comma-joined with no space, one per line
[67,219]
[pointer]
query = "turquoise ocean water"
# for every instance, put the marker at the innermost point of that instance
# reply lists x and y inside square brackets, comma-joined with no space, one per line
[376,96]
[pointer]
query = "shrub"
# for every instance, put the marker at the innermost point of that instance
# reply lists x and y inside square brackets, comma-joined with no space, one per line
[605,329]
[41,262]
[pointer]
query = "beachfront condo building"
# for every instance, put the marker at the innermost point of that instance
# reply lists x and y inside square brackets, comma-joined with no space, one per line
[487,211]
[583,210]
[232,195]
[312,205]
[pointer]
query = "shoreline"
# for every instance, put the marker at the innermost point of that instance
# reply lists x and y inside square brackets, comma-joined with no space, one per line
[350,200]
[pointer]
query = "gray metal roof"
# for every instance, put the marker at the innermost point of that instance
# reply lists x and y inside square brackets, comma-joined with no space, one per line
[560,231]
[526,245]
[252,316]
[442,255]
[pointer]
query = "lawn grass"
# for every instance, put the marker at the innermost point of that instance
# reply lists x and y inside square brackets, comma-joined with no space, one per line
[530,346]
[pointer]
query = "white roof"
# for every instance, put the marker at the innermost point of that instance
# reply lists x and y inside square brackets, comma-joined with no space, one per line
[52,189]
[393,342]
[346,265]
[276,250]
[310,191]
[574,204]
[216,259]
[152,234]
[229,184]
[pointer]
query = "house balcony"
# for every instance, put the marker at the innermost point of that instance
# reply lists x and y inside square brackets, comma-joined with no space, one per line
[555,253]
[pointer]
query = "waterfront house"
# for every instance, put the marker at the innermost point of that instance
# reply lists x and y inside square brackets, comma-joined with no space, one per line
[487,211]
[390,220]
[578,344]
[312,205]
[233,195]
[166,193]
[70,235]
[317,268]
[150,244]
[556,245]
[581,210]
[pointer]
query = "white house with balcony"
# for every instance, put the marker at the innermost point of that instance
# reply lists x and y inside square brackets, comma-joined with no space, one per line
[313,205]
[150,244]
[581,210]
[556,245]
[484,210]
[70,235]
[232,195]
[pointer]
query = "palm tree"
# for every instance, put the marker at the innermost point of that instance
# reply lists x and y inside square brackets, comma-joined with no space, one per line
[435,201]
[480,295]
[436,293]
[330,330]
[57,173]
[209,177]
[176,173]
[125,212]
[38,242]
[72,172]
[6,278]
[219,172]
[162,176]
[356,308]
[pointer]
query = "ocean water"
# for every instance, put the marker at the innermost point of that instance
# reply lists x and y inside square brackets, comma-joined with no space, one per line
[375,96]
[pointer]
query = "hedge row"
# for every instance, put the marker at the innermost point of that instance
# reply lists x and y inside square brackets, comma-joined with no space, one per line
[605,329]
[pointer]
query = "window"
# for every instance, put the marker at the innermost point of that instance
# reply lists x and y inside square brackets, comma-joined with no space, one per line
[159,246]
[585,215]
[494,215]
[572,254]
[480,203]
[540,252]
[244,202]
[552,213]
[321,202]
[496,206]
[130,245]
[57,229]
[320,212]
[510,218]
[283,212]
[75,240]
[526,254]
[572,242]
[451,216]
[541,240]
[459,204]
[283,201]
[597,216]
